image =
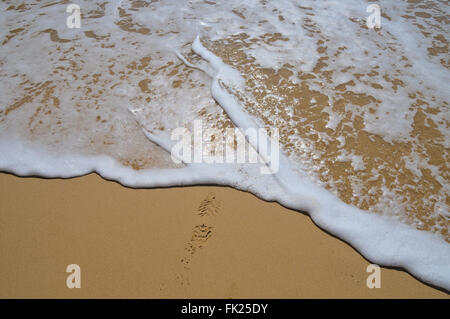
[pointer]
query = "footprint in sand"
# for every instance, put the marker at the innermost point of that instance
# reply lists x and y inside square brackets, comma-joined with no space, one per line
[210,206]
[201,233]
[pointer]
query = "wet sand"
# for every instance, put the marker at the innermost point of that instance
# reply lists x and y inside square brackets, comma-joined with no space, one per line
[196,242]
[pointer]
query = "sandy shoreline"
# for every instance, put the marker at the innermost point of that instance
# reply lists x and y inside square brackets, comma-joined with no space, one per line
[197,242]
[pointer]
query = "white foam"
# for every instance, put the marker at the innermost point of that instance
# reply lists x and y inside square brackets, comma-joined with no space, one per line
[369,233]
[381,239]
[173,25]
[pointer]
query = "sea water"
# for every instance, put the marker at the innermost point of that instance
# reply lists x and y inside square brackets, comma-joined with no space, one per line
[362,113]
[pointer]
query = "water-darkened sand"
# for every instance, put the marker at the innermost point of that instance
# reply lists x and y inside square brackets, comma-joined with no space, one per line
[176,242]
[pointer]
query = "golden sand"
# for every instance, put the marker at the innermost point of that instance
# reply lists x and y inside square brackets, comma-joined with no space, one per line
[203,241]
[197,242]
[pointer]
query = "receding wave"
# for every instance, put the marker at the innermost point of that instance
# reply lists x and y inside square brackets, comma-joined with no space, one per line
[362,113]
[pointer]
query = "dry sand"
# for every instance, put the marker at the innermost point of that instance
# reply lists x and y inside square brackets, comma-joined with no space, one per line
[199,242]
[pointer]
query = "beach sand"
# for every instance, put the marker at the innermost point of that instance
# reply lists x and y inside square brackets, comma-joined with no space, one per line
[196,242]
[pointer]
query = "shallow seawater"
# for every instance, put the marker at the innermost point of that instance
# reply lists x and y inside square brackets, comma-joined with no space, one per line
[362,113]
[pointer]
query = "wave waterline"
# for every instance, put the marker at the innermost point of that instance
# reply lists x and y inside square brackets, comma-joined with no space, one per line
[386,240]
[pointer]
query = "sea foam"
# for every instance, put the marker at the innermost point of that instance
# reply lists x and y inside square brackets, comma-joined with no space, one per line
[363,114]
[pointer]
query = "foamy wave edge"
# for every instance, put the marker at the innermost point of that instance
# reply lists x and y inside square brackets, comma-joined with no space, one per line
[381,239]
